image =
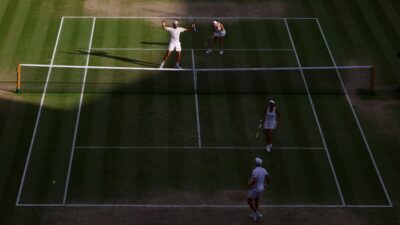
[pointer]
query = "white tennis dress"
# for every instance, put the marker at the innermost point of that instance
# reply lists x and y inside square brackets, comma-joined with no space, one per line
[174,42]
[270,119]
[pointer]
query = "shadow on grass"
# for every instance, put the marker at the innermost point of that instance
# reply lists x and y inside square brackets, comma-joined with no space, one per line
[107,55]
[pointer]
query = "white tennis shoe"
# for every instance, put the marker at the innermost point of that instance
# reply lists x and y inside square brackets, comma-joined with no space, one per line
[208,51]
[221,52]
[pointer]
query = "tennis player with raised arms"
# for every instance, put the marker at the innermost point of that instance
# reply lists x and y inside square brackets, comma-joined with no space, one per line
[174,42]
[259,180]
[270,119]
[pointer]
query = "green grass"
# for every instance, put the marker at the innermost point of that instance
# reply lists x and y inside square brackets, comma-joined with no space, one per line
[358,32]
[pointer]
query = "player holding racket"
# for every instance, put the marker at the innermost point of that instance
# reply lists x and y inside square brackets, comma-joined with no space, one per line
[174,42]
[219,32]
[270,122]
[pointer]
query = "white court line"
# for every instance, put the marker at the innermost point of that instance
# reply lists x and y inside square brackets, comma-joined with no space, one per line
[78,115]
[39,114]
[316,116]
[196,100]
[190,49]
[77,205]
[355,116]
[192,17]
[196,147]
[203,69]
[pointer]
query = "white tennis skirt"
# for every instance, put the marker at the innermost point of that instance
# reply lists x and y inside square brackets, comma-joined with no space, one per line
[219,34]
[270,124]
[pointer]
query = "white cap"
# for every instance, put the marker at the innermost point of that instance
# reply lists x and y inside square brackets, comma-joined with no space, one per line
[215,22]
[258,161]
[271,101]
[175,22]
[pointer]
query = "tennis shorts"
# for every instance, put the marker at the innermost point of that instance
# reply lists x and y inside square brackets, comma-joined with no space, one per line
[175,45]
[255,193]
[219,34]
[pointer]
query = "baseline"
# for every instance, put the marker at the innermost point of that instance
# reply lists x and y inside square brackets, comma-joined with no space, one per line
[196,147]
[82,205]
[190,49]
[192,17]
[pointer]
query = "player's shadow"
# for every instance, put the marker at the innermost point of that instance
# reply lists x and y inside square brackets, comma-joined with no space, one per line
[107,55]
[153,43]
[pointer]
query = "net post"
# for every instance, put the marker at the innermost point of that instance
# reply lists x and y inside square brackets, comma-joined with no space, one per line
[18,78]
[373,78]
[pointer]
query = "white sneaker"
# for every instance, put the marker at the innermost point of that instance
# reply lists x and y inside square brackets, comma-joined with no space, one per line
[178,66]
[259,215]
[208,51]
[162,65]
[221,52]
[268,148]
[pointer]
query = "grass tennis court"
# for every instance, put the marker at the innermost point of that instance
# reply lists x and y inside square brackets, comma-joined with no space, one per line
[138,138]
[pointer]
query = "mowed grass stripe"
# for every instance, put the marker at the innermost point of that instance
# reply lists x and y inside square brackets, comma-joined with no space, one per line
[193,177]
[15,127]
[343,139]
[373,40]
[52,162]
[12,35]
[356,174]
[74,42]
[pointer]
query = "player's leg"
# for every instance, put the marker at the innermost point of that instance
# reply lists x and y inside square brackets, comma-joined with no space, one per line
[178,55]
[212,42]
[178,59]
[166,56]
[268,139]
[257,207]
[221,45]
[171,48]
[251,201]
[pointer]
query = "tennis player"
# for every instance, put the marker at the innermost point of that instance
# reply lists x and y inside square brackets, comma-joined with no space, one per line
[270,119]
[259,180]
[174,42]
[219,32]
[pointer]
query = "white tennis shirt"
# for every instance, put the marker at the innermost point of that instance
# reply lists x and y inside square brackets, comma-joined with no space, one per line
[259,173]
[174,33]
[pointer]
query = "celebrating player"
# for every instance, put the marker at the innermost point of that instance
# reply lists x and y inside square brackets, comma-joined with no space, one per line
[259,180]
[219,32]
[270,122]
[174,42]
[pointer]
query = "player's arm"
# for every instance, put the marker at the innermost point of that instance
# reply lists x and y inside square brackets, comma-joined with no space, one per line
[163,24]
[252,182]
[278,117]
[263,115]
[222,26]
[267,180]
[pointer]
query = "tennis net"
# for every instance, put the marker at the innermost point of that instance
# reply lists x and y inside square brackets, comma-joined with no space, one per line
[280,80]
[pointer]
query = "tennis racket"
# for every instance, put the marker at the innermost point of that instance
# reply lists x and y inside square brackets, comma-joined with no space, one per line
[193,23]
[258,130]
